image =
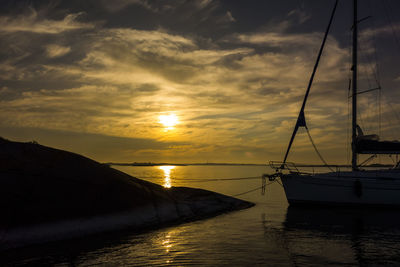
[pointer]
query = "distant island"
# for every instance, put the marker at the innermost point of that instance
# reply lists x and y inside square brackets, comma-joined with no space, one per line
[150,164]
[180,164]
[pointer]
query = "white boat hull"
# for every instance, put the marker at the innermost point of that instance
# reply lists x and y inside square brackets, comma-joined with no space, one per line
[378,188]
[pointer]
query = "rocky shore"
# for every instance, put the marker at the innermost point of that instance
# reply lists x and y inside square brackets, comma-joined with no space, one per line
[48,194]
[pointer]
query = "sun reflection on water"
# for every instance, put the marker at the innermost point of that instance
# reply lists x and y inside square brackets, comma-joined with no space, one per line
[167,243]
[167,175]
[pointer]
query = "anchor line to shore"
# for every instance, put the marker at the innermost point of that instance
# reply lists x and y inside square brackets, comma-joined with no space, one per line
[262,187]
[204,180]
[255,189]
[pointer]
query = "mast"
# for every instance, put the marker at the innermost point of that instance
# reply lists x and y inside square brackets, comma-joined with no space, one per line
[354,90]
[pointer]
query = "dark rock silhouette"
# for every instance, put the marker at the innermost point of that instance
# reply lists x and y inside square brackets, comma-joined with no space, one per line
[49,194]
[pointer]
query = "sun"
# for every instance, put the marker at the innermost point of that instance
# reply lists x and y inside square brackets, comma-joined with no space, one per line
[168,121]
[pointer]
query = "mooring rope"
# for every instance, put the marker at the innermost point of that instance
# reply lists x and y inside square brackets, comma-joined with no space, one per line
[252,190]
[204,180]
[262,187]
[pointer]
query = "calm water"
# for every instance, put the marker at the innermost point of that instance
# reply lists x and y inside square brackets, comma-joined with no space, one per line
[269,234]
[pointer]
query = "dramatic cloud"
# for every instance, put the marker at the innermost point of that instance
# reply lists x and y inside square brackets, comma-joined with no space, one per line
[57,50]
[236,96]
[33,23]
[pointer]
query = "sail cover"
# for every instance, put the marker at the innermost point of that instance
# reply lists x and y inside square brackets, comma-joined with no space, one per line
[365,146]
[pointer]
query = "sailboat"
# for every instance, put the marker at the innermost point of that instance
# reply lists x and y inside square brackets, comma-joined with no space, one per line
[354,187]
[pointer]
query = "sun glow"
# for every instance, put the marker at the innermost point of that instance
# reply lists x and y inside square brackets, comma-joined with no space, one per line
[168,121]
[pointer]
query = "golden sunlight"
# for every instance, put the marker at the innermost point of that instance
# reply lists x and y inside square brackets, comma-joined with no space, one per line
[168,121]
[167,175]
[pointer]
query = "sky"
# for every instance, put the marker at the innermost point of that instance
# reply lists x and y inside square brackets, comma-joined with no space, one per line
[194,81]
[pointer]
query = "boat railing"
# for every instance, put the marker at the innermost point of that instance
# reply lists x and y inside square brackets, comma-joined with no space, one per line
[279,165]
[302,169]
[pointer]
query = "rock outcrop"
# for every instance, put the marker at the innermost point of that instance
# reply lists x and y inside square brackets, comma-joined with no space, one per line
[48,194]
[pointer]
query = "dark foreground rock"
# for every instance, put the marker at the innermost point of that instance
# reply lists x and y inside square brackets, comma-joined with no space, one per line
[48,194]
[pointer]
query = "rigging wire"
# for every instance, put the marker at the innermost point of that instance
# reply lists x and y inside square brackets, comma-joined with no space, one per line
[388,118]
[382,96]
[301,122]
[369,66]
[316,150]
[280,183]
[369,55]
[371,61]
[348,129]
[379,112]
[367,72]
[375,49]
[361,123]
[372,71]
[350,67]
[393,109]
[386,9]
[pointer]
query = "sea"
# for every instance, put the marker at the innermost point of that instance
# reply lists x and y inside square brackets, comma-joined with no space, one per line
[269,234]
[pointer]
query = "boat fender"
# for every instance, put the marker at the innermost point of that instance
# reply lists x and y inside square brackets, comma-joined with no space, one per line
[357,188]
